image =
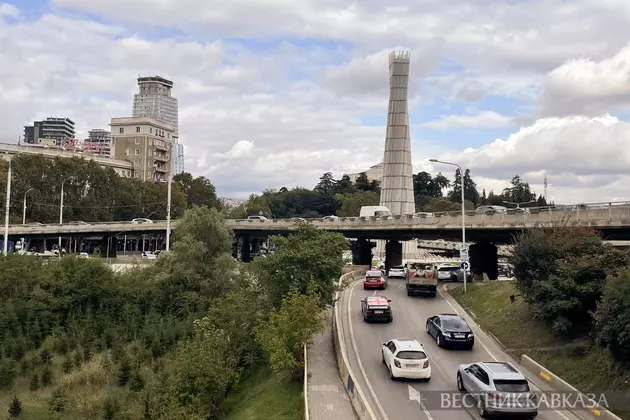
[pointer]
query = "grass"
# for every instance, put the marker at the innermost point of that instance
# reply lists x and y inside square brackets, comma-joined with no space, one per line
[583,364]
[266,395]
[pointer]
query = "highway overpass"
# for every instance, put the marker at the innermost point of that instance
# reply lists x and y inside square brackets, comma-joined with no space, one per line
[500,227]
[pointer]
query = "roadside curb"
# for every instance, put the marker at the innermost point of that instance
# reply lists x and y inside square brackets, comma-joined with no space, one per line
[305,390]
[537,373]
[359,402]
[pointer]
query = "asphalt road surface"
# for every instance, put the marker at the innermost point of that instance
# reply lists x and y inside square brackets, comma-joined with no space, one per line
[397,400]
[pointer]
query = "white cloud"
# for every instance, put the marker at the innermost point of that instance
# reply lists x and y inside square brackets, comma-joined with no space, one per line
[241,149]
[588,87]
[302,106]
[482,119]
[9,10]
[586,159]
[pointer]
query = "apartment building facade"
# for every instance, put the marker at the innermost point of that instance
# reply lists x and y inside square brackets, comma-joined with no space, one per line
[145,142]
[53,128]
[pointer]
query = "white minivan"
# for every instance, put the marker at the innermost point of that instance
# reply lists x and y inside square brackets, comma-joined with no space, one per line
[375,211]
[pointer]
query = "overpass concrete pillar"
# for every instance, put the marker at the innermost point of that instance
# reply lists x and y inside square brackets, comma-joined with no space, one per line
[362,252]
[108,246]
[256,242]
[245,248]
[484,258]
[393,254]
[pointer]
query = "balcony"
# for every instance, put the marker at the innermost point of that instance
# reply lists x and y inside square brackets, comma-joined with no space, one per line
[161,147]
[160,158]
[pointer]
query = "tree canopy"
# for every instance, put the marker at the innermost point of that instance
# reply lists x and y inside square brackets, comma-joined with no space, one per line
[94,193]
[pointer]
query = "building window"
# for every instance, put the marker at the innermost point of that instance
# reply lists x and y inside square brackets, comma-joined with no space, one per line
[149,165]
[137,140]
[150,152]
[151,130]
[137,129]
[127,151]
[150,142]
[122,130]
[168,135]
[137,152]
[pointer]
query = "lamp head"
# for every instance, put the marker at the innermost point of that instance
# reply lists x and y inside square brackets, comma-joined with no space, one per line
[433,160]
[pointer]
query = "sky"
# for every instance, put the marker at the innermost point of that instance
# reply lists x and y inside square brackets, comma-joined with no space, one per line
[275,93]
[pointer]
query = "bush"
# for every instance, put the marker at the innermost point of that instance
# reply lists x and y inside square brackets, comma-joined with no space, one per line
[34,384]
[612,319]
[16,407]
[124,371]
[561,273]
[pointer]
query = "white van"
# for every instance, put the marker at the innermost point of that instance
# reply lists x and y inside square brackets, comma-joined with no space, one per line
[375,211]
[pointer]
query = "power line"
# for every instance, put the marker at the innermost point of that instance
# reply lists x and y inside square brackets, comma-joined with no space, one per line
[95,207]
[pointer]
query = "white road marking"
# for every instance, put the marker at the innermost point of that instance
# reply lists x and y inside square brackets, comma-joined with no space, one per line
[356,353]
[493,356]
[414,395]
[374,294]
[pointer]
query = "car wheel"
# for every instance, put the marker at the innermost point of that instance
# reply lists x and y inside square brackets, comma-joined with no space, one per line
[428,330]
[383,357]
[408,293]
[439,340]
[391,374]
[365,288]
[482,410]
[460,383]
[427,379]
[364,318]
[469,348]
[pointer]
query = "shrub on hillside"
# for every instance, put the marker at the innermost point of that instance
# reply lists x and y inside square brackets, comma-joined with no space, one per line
[561,273]
[612,318]
[309,255]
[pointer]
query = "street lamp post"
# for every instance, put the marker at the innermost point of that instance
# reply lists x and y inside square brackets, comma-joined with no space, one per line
[24,206]
[168,206]
[461,172]
[5,247]
[61,213]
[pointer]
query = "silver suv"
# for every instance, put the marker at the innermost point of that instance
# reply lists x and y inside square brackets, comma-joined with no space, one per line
[498,388]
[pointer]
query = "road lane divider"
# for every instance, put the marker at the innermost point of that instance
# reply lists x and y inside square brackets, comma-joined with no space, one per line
[357,397]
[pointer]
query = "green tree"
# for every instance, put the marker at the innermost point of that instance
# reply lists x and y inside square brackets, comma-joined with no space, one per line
[362,183]
[344,186]
[199,191]
[612,318]
[15,409]
[290,327]
[443,204]
[205,369]
[518,192]
[309,255]
[470,188]
[561,273]
[350,204]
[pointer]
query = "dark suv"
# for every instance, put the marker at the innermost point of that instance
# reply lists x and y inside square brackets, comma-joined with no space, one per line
[376,308]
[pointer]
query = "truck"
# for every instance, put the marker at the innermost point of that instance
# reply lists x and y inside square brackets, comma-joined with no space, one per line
[374,211]
[420,280]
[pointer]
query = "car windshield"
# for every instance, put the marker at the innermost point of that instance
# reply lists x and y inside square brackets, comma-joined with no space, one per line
[397,268]
[448,269]
[411,355]
[511,385]
[454,324]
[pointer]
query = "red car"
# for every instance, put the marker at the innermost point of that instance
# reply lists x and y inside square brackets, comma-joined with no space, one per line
[374,280]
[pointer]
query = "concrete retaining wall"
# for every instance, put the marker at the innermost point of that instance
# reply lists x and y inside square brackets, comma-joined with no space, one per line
[355,393]
[560,385]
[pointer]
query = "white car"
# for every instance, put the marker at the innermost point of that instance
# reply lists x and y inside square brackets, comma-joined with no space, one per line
[149,255]
[141,220]
[398,271]
[84,255]
[406,358]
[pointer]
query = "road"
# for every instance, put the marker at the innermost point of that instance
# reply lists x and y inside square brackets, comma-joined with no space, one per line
[393,398]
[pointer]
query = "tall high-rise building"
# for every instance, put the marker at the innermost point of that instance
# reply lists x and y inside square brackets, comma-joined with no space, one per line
[52,128]
[154,99]
[178,159]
